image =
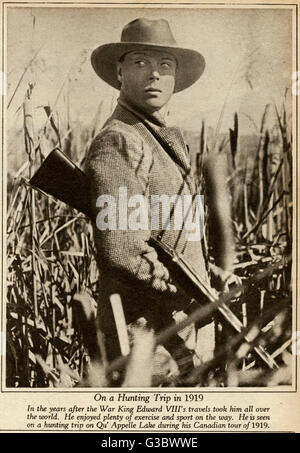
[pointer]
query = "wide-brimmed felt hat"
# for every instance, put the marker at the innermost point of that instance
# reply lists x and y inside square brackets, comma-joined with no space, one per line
[142,34]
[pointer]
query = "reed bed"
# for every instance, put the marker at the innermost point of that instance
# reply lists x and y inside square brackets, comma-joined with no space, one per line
[51,261]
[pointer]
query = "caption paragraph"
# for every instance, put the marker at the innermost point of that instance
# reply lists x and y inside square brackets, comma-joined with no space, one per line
[153,411]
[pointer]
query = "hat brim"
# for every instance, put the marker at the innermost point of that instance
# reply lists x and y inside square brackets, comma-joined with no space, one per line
[190,63]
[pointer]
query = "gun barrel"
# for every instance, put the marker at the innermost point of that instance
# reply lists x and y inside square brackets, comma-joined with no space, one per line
[194,286]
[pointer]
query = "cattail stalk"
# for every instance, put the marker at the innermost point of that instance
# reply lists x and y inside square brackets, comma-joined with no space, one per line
[30,150]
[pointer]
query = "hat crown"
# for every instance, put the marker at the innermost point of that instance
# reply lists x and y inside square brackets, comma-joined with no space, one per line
[148,31]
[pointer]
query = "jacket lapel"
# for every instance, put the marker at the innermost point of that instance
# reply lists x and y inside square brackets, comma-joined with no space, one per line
[173,140]
[169,138]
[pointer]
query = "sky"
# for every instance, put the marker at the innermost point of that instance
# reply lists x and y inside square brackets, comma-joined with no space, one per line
[248,55]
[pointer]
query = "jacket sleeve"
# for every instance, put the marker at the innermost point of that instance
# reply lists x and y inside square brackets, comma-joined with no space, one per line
[116,160]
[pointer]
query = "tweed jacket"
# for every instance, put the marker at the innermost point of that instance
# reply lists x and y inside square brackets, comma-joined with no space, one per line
[147,158]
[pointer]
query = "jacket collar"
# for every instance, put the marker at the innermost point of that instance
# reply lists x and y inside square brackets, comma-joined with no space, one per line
[156,119]
[170,138]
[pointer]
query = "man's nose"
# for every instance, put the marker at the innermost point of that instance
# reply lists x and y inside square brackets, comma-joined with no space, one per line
[154,72]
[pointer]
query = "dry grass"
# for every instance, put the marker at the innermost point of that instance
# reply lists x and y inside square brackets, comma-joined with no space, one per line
[51,259]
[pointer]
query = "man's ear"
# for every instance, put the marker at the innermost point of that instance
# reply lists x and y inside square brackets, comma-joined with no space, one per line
[119,71]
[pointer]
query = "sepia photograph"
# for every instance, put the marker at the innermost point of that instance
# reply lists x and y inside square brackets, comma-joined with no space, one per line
[149,208]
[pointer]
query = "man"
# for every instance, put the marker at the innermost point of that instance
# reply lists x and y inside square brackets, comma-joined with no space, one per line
[137,152]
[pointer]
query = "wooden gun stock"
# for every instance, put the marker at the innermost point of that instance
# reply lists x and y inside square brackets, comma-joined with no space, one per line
[59,177]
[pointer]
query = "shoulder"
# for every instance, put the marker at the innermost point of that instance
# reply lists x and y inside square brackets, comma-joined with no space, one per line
[119,144]
[117,134]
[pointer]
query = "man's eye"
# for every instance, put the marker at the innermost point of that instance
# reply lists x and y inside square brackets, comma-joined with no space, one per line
[165,64]
[140,63]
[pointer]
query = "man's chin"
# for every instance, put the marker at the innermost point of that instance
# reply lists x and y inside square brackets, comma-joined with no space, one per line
[153,105]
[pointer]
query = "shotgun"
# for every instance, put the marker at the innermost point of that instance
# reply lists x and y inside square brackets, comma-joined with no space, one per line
[59,177]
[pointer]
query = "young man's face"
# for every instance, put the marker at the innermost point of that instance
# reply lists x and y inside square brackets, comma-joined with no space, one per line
[147,78]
